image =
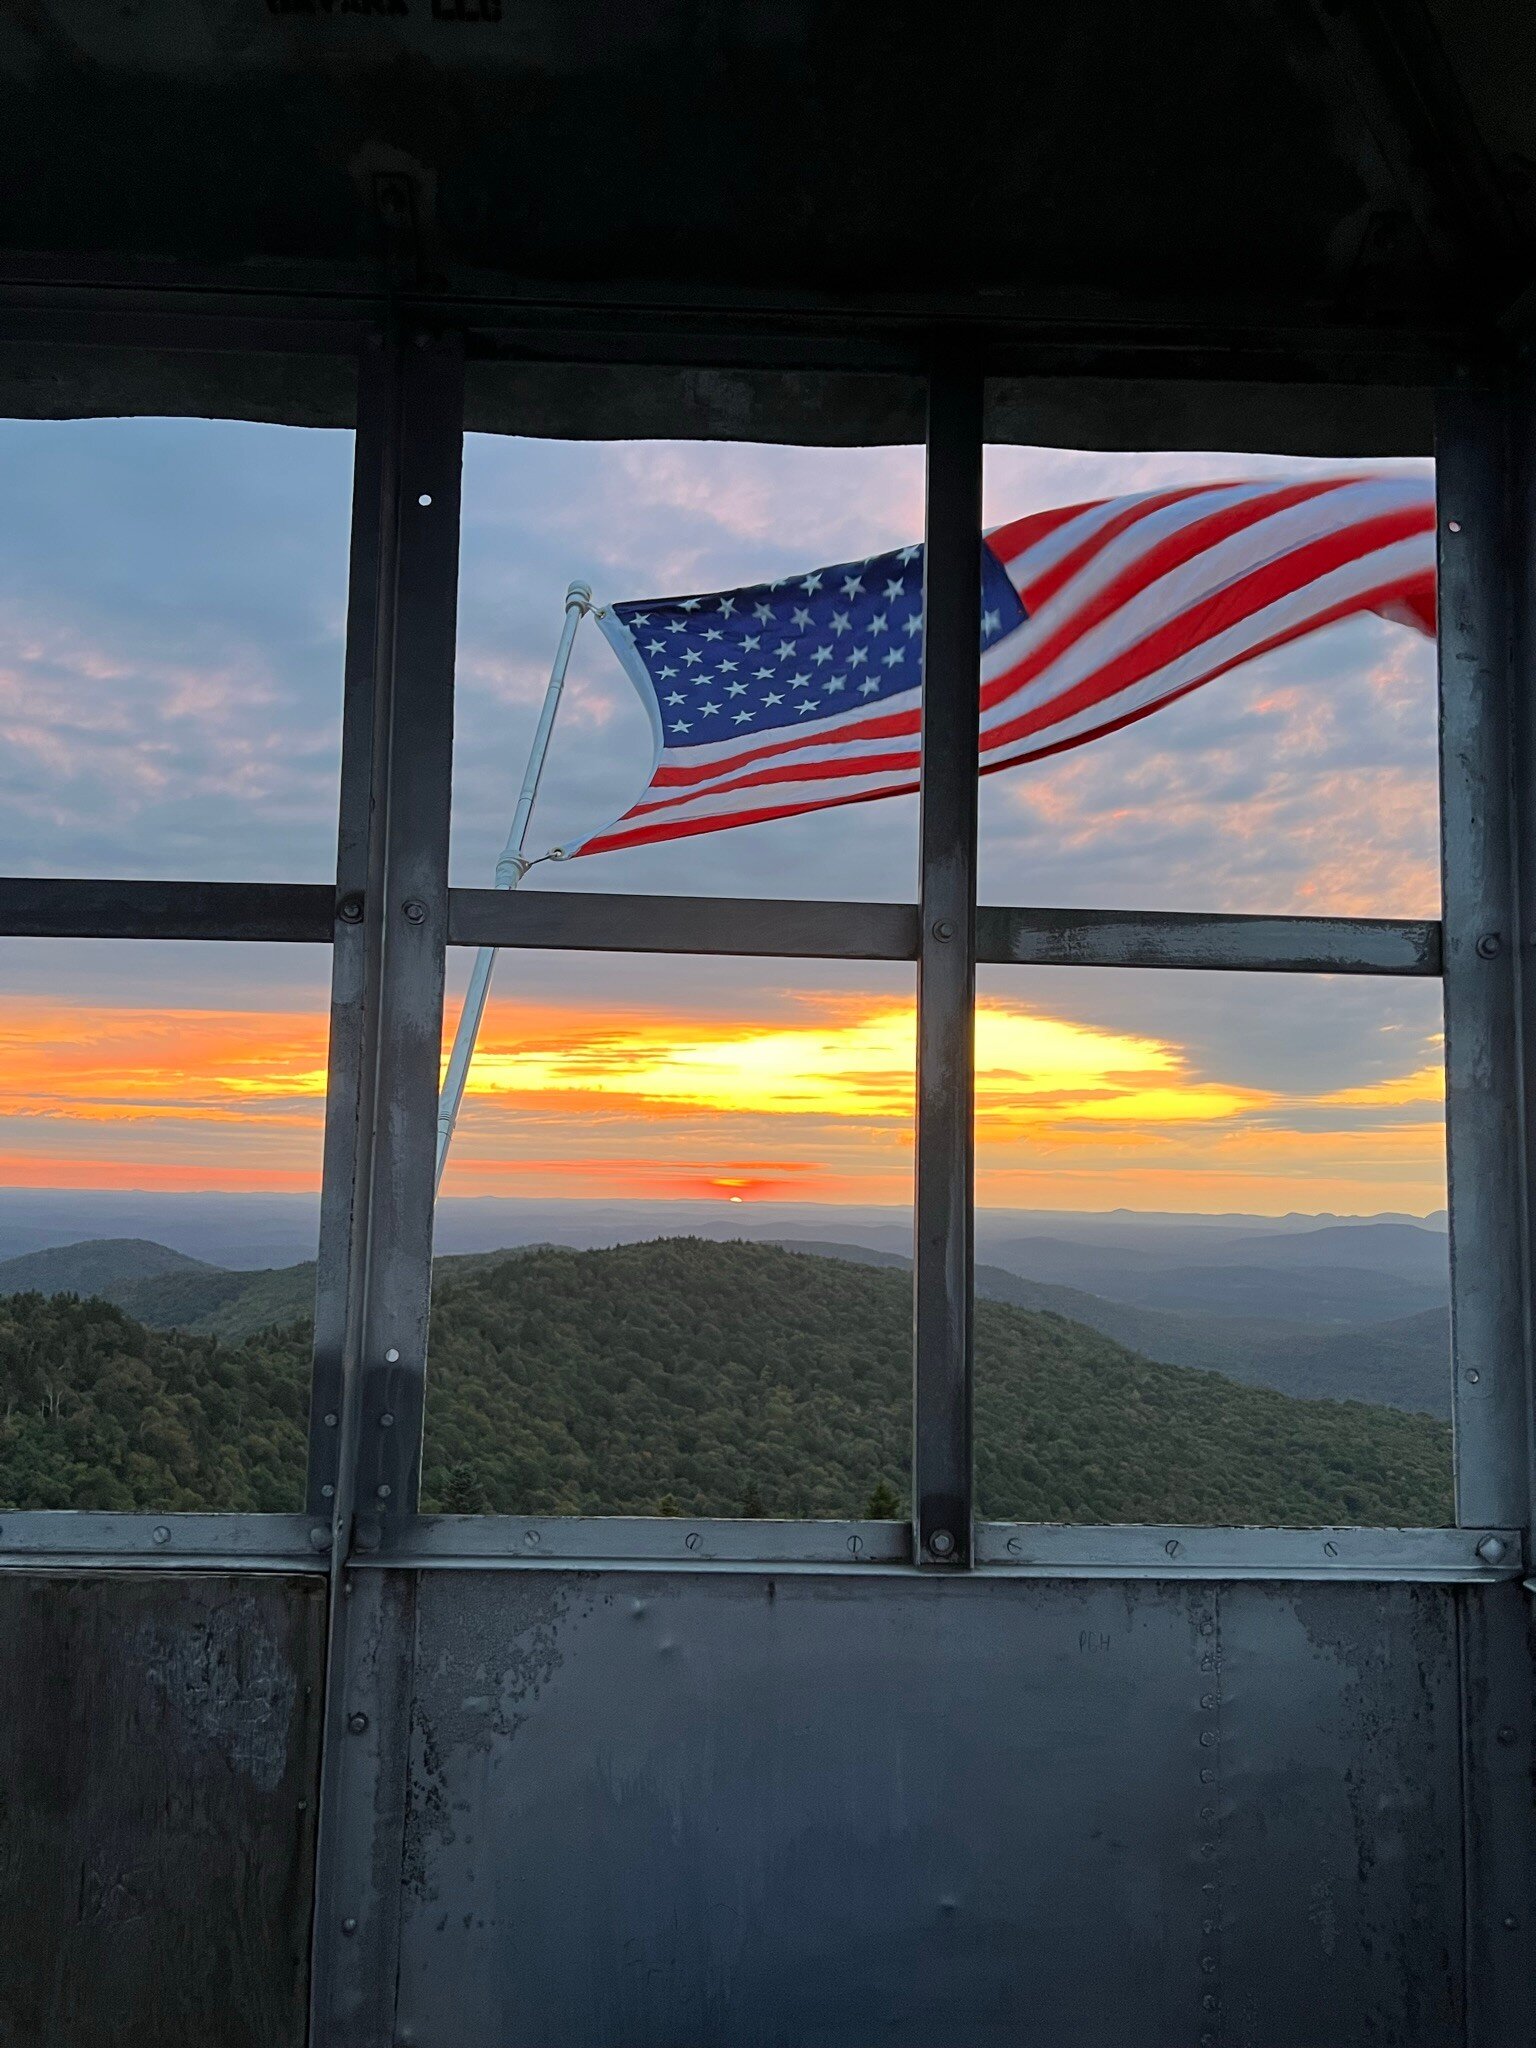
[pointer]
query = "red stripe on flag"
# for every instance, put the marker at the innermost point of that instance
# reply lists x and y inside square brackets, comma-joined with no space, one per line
[789,771]
[1345,608]
[1210,615]
[1044,587]
[686,828]
[895,725]
[1175,551]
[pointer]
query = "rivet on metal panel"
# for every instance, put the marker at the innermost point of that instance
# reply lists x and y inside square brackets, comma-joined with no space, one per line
[330,1421]
[357,1723]
[425,498]
[386,1420]
[1208,1701]
[943,929]
[391,1356]
[1489,946]
[531,1538]
[1453,525]
[350,909]
[415,911]
[1208,1964]
[320,1539]
[1506,1736]
[1207,1740]
[1207,1777]
[162,1534]
[349,1925]
[941,1543]
[327,1493]
[1209,2001]
[385,1492]
[1510,1922]
[1207,1628]
[1473,1376]
[1491,1549]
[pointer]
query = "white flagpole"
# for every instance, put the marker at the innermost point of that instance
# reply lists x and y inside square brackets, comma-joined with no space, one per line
[510,870]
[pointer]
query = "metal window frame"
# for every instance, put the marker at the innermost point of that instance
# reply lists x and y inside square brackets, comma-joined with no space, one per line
[374,1265]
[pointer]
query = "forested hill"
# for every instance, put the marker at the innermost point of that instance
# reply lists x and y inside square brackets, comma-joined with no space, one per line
[702,1378]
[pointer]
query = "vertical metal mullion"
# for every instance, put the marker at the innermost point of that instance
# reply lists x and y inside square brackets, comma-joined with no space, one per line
[374,1287]
[1479,589]
[1521,444]
[358,932]
[944,1284]
[417,787]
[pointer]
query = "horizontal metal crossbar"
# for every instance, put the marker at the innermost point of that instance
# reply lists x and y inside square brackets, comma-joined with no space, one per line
[575,921]
[253,1542]
[1201,939]
[1131,1551]
[1003,1549]
[572,920]
[55,908]
[638,1539]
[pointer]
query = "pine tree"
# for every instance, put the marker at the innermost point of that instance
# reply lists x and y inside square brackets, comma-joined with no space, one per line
[463,1493]
[884,1504]
[667,1505]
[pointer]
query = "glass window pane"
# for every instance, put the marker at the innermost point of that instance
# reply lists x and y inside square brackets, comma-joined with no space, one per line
[172,609]
[657,520]
[1211,1249]
[1303,780]
[673,1243]
[161,1126]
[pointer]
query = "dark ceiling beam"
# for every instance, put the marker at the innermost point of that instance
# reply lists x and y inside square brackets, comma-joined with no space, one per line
[1391,60]
[515,320]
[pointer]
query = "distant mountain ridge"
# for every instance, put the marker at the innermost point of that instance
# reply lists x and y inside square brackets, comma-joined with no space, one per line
[94,1264]
[1355,1273]
[1401,1361]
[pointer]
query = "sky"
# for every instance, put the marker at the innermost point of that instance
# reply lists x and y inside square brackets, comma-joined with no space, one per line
[172,604]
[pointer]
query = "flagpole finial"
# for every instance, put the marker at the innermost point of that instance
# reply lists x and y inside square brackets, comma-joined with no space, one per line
[579,597]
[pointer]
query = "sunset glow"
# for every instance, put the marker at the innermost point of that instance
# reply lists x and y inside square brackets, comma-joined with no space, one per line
[812,1102]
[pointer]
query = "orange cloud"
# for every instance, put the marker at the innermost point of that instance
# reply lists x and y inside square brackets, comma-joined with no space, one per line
[1425,1084]
[131,1097]
[813,1102]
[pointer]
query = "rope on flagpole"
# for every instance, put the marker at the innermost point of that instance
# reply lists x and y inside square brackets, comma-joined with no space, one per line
[510,870]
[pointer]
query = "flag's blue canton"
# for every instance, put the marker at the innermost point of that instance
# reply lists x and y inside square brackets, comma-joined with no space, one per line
[797,651]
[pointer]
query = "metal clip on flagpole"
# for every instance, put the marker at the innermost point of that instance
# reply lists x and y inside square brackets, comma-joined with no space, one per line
[510,870]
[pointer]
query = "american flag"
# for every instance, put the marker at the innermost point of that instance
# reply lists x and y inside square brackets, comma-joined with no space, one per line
[794,695]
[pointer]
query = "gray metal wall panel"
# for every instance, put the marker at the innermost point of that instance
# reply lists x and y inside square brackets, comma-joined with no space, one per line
[159,1737]
[1337,1854]
[668,1811]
